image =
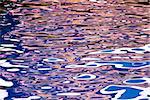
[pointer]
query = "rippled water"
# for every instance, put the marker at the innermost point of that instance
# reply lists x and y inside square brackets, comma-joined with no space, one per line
[74,50]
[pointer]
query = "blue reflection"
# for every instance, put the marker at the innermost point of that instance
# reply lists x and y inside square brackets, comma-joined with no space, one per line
[135,81]
[107,50]
[124,92]
[85,76]
[127,64]
[138,49]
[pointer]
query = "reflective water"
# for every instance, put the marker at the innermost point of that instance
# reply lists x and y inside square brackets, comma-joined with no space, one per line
[74,50]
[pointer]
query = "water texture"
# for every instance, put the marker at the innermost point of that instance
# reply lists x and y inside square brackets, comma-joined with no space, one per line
[74,50]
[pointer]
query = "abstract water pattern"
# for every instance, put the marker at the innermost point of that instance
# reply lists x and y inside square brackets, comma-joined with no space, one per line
[137,80]
[7,23]
[29,98]
[74,50]
[143,49]
[3,92]
[117,64]
[84,77]
[127,92]
[53,60]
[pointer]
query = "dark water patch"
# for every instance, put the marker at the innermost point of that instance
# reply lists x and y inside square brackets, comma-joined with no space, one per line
[8,23]
[135,81]
[138,49]
[6,5]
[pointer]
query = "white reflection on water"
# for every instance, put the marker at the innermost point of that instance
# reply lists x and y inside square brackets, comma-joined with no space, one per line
[139,50]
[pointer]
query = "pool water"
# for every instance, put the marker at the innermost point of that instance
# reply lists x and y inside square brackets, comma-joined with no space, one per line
[74,50]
